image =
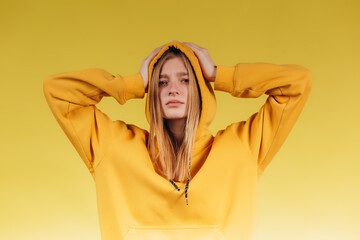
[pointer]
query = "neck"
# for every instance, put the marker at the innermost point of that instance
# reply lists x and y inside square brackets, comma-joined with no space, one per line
[177,128]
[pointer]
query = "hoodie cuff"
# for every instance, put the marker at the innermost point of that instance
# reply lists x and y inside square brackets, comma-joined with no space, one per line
[224,80]
[133,87]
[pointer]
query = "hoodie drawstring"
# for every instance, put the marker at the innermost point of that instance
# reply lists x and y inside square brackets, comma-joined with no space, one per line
[174,185]
[186,188]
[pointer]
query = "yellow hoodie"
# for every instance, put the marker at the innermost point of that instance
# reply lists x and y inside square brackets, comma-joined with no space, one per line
[135,202]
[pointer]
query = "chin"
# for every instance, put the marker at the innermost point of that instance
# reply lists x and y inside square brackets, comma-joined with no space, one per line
[172,114]
[173,117]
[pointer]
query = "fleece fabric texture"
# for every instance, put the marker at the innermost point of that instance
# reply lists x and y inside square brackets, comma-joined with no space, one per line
[134,201]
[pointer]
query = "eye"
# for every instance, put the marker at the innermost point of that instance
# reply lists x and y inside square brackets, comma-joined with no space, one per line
[162,83]
[185,80]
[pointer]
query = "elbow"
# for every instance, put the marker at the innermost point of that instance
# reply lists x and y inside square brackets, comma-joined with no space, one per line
[49,86]
[307,79]
[304,78]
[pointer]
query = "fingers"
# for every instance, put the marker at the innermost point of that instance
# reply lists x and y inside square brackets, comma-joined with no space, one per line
[206,62]
[155,52]
[144,68]
[148,59]
[196,48]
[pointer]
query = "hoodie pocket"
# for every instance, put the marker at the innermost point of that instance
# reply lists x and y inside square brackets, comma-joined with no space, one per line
[175,233]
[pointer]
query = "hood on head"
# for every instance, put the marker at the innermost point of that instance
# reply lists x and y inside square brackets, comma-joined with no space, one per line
[207,94]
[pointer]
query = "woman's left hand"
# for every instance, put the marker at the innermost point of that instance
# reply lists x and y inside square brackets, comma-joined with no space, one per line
[207,64]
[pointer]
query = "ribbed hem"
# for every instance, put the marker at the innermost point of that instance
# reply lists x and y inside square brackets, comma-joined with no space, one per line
[224,80]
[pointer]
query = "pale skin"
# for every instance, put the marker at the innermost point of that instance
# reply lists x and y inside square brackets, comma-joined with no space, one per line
[174,85]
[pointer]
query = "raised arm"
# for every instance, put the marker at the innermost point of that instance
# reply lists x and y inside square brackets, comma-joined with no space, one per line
[288,87]
[72,97]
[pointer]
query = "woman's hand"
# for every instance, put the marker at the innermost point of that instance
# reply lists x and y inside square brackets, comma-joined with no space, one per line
[144,68]
[207,64]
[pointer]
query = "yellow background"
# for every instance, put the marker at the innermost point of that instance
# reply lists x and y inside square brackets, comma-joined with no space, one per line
[310,191]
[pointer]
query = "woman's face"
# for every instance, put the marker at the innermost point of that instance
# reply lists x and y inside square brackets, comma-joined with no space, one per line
[174,89]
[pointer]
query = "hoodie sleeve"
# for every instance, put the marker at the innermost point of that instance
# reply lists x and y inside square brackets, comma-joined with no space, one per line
[288,87]
[72,98]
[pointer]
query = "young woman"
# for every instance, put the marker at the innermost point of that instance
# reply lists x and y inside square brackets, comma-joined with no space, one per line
[178,181]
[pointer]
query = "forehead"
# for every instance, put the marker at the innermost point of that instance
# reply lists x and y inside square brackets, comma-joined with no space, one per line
[175,64]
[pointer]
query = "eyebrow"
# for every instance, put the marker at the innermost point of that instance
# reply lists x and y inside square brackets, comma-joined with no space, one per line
[178,74]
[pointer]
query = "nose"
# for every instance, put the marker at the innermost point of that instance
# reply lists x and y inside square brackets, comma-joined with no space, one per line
[174,88]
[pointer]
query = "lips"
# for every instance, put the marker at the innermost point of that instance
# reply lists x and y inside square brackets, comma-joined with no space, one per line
[174,102]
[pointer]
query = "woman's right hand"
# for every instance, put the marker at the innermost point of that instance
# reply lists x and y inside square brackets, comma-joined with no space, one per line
[144,68]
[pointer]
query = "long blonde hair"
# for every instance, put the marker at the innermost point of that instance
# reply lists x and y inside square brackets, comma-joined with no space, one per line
[170,159]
